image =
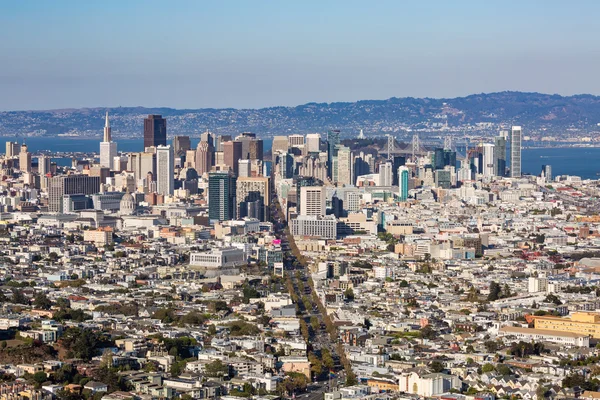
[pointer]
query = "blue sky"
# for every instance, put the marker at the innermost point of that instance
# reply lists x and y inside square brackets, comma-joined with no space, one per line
[192,54]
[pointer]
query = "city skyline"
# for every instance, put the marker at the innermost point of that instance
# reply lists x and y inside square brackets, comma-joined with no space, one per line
[225,55]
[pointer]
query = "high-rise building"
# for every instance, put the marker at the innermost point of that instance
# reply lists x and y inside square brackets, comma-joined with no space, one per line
[295,140]
[204,157]
[386,176]
[12,149]
[24,159]
[221,196]
[403,177]
[59,186]
[500,155]
[232,153]
[515,151]
[488,160]
[313,142]
[245,169]
[547,171]
[253,197]
[181,144]
[165,170]
[155,131]
[344,166]
[280,144]
[44,165]
[333,140]
[398,161]
[108,148]
[255,149]
[285,164]
[312,200]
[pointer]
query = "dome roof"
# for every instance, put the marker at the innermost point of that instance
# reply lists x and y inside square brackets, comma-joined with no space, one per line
[127,205]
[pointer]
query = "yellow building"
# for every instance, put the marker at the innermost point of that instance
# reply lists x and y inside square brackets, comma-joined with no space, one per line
[583,323]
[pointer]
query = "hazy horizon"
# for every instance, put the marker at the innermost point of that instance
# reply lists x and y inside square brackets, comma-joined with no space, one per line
[190,55]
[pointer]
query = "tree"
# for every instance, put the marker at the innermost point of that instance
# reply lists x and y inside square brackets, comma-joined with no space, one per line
[18,297]
[216,369]
[349,294]
[436,366]
[495,291]
[42,301]
[427,332]
[552,298]
[38,378]
[487,368]
[503,369]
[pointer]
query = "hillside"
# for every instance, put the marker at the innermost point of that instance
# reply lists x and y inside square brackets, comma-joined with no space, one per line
[535,111]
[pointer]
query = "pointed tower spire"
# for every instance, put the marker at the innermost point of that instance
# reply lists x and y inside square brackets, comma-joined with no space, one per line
[107,130]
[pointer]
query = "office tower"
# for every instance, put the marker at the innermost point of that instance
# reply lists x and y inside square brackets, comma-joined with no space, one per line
[208,137]
[344,166]
[232,153]
[443,157]
[204,157]
[108,148]
[59,186]
[398,161]
[245,139]
[500,155]
[147,164]
[300,182]
[245,170]
[295,140]
[12,149]
[333,140]
[220,140]
[24,159]
[386,176]
[403,177]
[155,131]
[221,196]
[280,144]
[44,165]
[190,159]
[285,164]
[515,151]
[488,160]
[181,144]
[313,142]
[253,197]
[312,200]
[443,179]
[255,149]
[547,171]
[165,170]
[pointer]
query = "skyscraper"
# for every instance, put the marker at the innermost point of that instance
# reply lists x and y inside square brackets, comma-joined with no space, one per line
[403,177]
[204,156]
[253,197]
[313,142]
[295,140]
[488,160]
[515,151]
[344,165]
[59,186]
[500,155]
[108,148]
[232,153]
[312,200]
[44,165]
[280,144]
[245,169]
[155,131]
[12,149]
[165,170]
[181,144]
[333,139]
[24,159]
[221,196]
[386,176]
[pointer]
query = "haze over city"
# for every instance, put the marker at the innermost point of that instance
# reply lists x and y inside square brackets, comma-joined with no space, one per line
[191,54]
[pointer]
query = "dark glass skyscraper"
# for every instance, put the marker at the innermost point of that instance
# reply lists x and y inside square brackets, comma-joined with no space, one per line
[221,196]
[333,140]
[155,131]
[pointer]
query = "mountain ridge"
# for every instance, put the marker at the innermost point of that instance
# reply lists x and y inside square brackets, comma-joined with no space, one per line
[537,111]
